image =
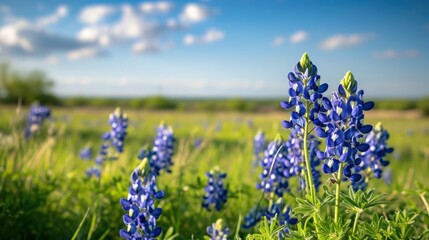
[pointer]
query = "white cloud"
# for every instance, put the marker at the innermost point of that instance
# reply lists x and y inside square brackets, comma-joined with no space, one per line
[20,37]
[88,52]
[156,7]
[298,37]
[278,41]
[61,12]
[391,53]
[194,13]
[144,47]
[99,34]
[343,41]
[212,35]
[130,25]
[95,13]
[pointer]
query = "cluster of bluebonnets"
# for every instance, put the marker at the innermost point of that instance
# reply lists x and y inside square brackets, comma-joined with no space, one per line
[353,151]
[374,159]
[218,230]
[112,146]
[142,213]
[216,194]
[37,114]
[282,213]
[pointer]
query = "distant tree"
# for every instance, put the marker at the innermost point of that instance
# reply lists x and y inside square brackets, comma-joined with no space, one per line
[29,87]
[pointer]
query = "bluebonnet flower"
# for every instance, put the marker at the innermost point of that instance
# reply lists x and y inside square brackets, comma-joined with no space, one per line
[340,122]
[283,215]
[85,153]
[273,177]
[163,146]
[119,123]
[218,231]
[160,155]
[103,154]
[113,139]
[93,171]
[387,176]
[36,116]
[295,158]
[304,85]
[374,158]
[254,216]
[259,144]
[142,215]
[197,142]
[216,193]
[362,184]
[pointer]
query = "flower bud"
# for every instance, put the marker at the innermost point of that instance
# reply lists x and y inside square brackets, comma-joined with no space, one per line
[349,83]
[378,127]
[220,224]
[305,63]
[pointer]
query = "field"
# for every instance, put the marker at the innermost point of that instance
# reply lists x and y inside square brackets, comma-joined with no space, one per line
[44,193]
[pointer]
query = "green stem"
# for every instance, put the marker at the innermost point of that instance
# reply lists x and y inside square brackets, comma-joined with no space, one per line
[337,193]
[422,196]
[307,161]
[355,223]
[311,189]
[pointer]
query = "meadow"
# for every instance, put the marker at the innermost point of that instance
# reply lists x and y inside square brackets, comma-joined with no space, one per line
[45,194]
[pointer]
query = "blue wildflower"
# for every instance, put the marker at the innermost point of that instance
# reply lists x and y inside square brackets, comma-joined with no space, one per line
[142,215]
[113,139]
[304,85]
[37,114]
[340,123]
[254,216]
[119,123]
[218,231]
[216,193]
[283,215]
[163,146]
[85,153]
[273,178]
[374,158]
[93,171]
[259,145]
[198,142]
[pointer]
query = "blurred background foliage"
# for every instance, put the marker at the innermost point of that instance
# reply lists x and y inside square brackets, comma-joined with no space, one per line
[29,87]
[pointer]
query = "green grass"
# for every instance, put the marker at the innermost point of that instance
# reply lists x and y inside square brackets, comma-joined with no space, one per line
[44,193]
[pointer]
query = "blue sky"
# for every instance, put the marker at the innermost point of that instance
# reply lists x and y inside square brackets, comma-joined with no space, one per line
[217,48]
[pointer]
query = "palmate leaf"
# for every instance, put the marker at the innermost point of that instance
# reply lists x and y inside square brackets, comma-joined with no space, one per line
[306,207]
[361,201]
[299,234]
[329,230]
[267,230]
[375,227]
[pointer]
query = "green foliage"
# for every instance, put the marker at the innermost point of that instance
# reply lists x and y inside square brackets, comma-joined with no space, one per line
[360,201]
[396,104]
[46,195]
[29,87]
[329,230]
[424,106]
[267,230]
